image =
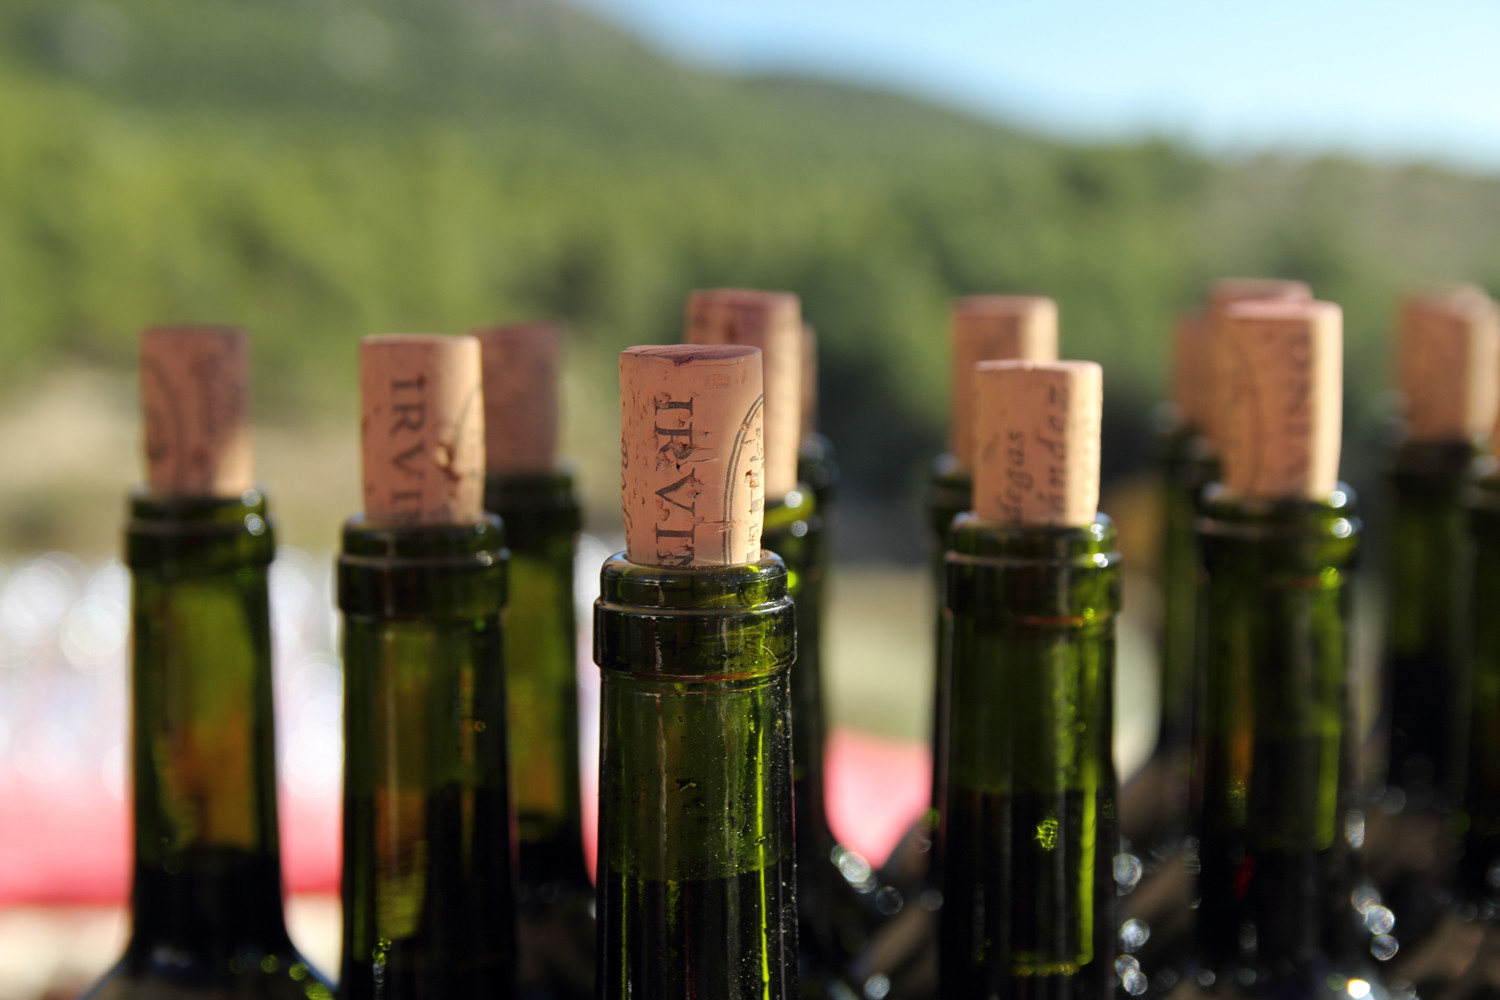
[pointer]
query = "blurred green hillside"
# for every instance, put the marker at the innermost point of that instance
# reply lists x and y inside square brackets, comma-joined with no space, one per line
[319,170]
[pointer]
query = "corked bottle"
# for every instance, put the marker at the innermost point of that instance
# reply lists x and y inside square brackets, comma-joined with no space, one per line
[535,499]
[1028,833]
[694,635]
[206,895]
[1449,368]
[833,912]
[983,328]
[1153,803]
[428,853]
[1272,813]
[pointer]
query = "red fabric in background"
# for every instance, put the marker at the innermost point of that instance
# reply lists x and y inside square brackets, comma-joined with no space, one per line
[60,844]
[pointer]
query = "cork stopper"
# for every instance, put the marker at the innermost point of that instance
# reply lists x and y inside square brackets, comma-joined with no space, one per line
[422,429]
[195,383]
[771,321]
[1449,364]
[1037,431]
[1192,369]
[691,452]
[520,397]
[1227,292]
[809,380]
[1280,399]
[993,328]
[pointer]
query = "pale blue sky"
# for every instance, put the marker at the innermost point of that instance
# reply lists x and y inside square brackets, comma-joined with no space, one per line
[1407,81]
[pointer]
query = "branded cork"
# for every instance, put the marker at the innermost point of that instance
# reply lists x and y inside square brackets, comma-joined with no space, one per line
[195,384]
[1192,370]
[771,321]
[422,429]
[1448,358]
[691,454]
[1037,433]
[1227,292]
[520,396]
[809,380]
[1280,399]
[993,328]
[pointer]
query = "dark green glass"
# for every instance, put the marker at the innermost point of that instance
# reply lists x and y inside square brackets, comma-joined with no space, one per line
[428,900]
[1427,556]
[205,898]
[1479,865]
[1028,827]
[554,896]
[1153,803]
[1271,799]
[818,470]
[832,912]
[951,493]
[697,881]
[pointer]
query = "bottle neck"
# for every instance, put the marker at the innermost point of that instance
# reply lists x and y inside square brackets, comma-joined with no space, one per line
[207,882]
[794,531]
[950,493]
[1427,553]
[1270,806]
[427,817]
[1028,828]
[696,882]
[541,516]
[1479,867]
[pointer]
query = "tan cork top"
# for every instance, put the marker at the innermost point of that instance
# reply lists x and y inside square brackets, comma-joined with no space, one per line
[520,396]
[771,321]
[422,428]
[993,328]
[1192,369]
[1448,358]
[1280,399]
[1037,431]
[809,380]
[1226,292]
[195,383]
[691,452]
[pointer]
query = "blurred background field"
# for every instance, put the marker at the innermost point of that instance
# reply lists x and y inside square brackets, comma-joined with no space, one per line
[318,170]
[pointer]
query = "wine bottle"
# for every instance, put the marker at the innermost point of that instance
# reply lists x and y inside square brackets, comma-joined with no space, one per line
[1028,829]
[694,635]
[831,878]
[536,502]
[983,328]
[427,881]
[206,893]
[817,467]
[1153,801]
[1449,354]
[1279,534]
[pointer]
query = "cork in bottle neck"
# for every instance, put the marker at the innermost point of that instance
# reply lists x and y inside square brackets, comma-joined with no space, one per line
[195,383]
[1448,358]
[422,429]
[993,328]
[691,454]
[521,409]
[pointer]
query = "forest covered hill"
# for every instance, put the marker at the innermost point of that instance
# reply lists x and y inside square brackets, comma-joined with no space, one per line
[320,170]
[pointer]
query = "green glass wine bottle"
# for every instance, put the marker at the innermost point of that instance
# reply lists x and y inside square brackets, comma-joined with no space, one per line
[694,635]
[428,865]
[206,895]
[1028,831]
[1449,352]
[833,881]
[982,328]
[1275,824]
[539,508]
